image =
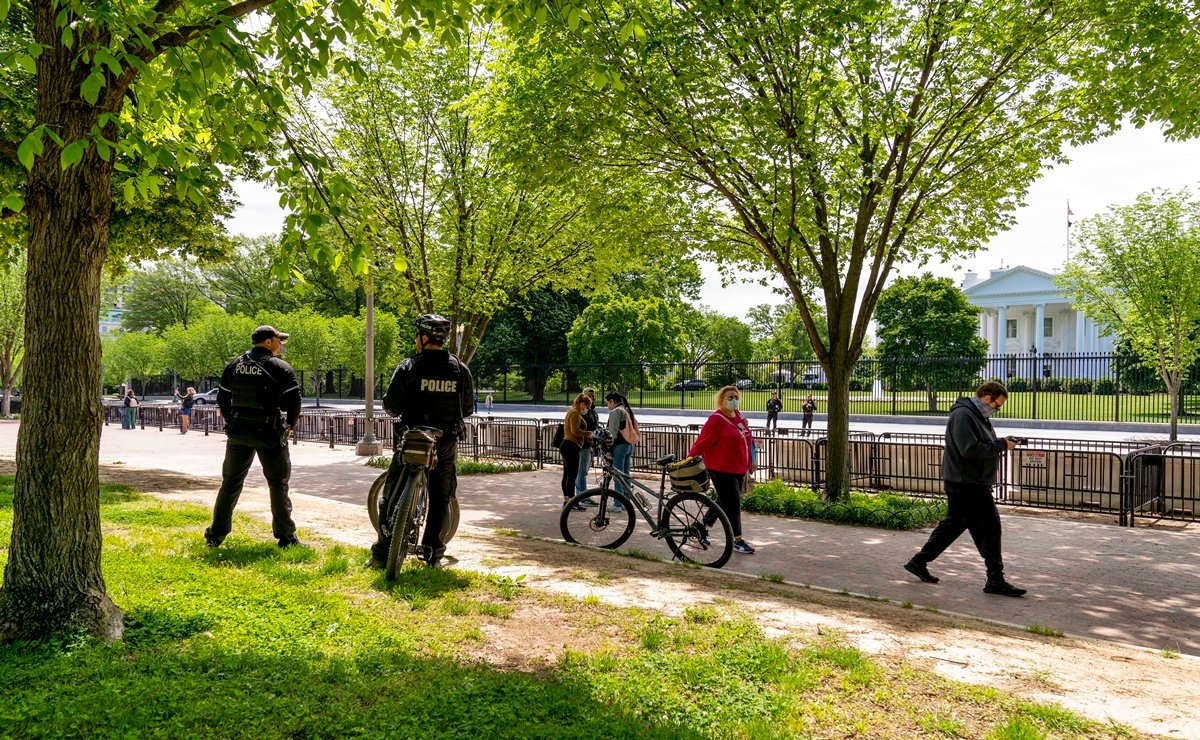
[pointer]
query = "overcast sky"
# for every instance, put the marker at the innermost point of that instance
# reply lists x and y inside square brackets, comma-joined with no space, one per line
[1109,172]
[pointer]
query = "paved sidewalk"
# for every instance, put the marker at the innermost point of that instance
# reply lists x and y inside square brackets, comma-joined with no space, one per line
[1139,586]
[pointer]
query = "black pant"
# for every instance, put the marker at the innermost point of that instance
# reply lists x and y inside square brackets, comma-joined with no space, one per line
[442,484]
[806,423]
[729,497]
[277,469]
[772,420]
[570,456]
[969,508]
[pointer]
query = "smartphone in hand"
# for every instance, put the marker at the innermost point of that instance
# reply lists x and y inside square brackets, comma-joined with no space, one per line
[1019,440]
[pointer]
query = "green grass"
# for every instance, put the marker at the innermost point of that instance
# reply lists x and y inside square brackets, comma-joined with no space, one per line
[252,641]
[1043,630]
[894,511]
[468,467]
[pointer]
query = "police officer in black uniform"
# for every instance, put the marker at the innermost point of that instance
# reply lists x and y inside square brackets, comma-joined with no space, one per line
[432,388]
[259,398]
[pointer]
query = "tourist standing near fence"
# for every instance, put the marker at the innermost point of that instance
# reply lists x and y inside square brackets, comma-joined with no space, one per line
[622,425]
[969,465]
[185,413]
[129,420]
[575,438]
[592,420]
[806,421]
[726,443]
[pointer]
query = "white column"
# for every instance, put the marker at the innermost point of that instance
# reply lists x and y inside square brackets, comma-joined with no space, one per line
[1080,328]
[1002,334]
[1039,340]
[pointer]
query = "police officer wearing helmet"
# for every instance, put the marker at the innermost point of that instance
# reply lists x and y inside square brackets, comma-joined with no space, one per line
[432,388]
[259,398]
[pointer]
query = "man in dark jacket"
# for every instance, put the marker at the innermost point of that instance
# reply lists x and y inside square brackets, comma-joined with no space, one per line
[774,406]
[259,398]
[432,388]
[969,465]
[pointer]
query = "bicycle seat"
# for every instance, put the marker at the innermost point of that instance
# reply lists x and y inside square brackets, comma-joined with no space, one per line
[665,460]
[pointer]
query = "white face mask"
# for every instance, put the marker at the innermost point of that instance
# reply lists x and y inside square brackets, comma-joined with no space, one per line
[733,403]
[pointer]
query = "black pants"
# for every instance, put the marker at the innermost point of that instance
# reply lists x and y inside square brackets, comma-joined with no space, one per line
[772,420]
[729,497]
[570,456]
[277,469]
[806,423]
[443,483]
[969,508]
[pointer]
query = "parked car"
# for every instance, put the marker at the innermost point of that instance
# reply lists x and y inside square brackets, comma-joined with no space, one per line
[206,397]
[695,384]
[745,384]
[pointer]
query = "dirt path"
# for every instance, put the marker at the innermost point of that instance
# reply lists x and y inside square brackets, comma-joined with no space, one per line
[1151,691]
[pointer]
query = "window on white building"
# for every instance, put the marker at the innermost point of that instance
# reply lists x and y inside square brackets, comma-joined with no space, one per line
[1047,327]
[1010,328]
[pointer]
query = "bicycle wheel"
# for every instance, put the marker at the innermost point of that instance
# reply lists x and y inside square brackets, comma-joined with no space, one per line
[450,525]
[697,530]
[373,499]
[403,525]
[590,519]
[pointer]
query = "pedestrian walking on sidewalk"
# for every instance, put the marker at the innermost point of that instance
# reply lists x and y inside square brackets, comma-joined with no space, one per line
[969,464]
[259,398]
[727,445]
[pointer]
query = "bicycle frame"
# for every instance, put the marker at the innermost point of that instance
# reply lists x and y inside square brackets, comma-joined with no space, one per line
[611,473]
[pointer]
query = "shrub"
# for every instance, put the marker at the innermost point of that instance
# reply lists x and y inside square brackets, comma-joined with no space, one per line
[890,510]
[1078,386]
[1017,385]
[1051,385]
[1105,386]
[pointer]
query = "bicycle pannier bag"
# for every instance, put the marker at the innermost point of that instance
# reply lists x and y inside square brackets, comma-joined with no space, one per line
[420,448]
[688,475]
[557,440]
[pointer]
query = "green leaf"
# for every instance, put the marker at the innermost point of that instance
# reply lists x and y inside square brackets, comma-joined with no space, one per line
[29,148]
[68,37]
[400,264]
[128,191]
[90,89]
[12,201]
[25,62]
[4,6]
[599,79]
[573,19]
[73,154]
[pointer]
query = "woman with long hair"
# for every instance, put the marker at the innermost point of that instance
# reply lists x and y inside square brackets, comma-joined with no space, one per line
[622,425]
[575,438]
[185,413]
[727,446]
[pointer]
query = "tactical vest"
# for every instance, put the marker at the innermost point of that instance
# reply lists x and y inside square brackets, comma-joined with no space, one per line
[434,395]
[254,391]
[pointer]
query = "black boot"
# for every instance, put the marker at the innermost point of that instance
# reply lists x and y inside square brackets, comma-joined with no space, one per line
[920,570]
[1001,587]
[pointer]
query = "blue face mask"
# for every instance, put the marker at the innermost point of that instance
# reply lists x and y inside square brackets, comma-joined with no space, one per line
[733,404]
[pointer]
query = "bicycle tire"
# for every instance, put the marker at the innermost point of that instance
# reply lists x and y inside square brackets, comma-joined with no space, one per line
[599,525]
[450,525]
[402,525]
[685,518]
[373,498]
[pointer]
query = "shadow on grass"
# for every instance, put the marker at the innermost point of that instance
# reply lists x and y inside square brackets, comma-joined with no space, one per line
[150,626]
[416,584]
[242,554]
[201,690]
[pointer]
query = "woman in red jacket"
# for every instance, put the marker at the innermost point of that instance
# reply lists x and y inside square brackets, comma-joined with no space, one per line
[726,444]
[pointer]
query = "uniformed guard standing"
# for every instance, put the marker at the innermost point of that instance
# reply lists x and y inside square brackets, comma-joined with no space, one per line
[432,388]
[259,398]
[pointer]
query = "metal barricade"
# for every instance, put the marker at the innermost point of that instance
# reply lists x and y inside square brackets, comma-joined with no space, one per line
[1162,481]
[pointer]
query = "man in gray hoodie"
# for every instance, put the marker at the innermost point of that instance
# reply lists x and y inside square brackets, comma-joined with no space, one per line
[969,465]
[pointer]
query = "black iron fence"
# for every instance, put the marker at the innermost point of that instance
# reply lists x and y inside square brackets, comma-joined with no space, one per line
[1129,479]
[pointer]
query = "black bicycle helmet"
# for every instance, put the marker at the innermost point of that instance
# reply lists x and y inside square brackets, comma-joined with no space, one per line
[433,325]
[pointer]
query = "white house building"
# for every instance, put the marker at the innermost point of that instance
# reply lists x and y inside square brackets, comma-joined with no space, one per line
[1022,311]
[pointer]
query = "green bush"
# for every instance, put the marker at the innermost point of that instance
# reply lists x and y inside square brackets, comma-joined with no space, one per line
[890,510]
[1051,385]
[1017,385]
[1078,386]
[1105,386]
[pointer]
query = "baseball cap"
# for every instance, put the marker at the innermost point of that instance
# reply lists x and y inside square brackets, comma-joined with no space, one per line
[590,391]
[265,332]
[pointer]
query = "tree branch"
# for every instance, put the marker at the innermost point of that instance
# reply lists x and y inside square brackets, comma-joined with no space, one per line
[184,35]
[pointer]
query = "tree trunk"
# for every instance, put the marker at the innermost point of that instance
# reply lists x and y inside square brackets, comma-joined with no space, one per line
[52,581]
[932,396]
[1174,382]
[6,403]
[837,470]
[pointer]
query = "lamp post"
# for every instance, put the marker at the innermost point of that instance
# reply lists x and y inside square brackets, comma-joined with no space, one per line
[368,445]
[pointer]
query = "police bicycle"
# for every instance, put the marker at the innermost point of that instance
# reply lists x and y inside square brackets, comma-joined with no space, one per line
[694,526]
[417,452]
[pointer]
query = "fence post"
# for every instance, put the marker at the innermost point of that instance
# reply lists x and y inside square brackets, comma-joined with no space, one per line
[1035,381]
[207,419]
[1117,390]
[537,443]
[641,385]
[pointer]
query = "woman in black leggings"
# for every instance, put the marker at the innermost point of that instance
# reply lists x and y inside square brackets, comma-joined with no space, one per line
[575,436]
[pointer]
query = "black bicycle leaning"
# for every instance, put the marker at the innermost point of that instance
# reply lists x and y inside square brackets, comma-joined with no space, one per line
[417,452]
[694,526]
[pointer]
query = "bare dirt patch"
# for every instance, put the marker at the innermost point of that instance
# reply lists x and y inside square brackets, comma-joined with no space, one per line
[1153,692]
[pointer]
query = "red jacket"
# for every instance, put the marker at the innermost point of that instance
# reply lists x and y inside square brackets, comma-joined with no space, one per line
[725,444]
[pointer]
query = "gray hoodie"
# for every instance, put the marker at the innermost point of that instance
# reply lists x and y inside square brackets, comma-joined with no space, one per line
[972,450]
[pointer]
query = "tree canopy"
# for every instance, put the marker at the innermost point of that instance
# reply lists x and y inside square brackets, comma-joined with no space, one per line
[1136,269]
[619,329]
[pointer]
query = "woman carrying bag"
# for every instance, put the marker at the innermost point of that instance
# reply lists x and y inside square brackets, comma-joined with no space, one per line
[623,427]
[575,437]
[727,446]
